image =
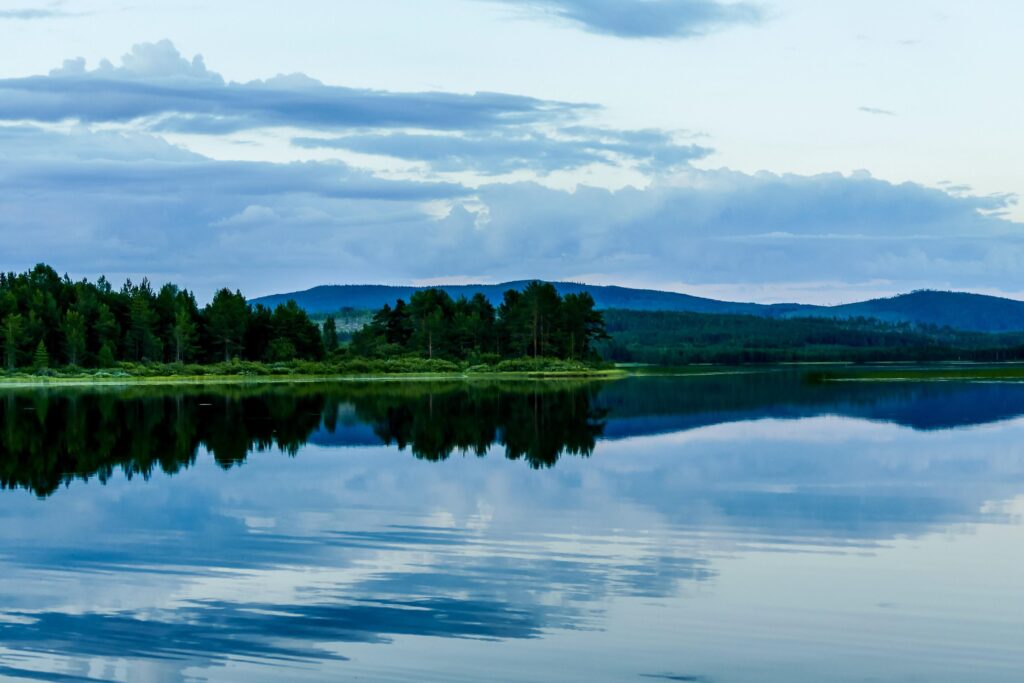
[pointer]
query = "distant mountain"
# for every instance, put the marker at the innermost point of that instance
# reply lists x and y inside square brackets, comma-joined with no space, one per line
[330,298]
[959,310]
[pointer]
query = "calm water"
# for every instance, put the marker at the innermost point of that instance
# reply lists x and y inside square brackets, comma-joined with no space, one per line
[742,528]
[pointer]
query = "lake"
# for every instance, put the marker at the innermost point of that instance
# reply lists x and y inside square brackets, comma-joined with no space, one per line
[744,527]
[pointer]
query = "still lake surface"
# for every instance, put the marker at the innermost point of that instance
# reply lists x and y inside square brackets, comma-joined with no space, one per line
[753,527]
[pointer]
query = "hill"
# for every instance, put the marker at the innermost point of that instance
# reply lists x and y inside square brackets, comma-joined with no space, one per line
[673,338]
[331,298]
[958,310]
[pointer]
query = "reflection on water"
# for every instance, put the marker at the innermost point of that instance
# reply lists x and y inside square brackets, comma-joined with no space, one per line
[50,439]
[750,527]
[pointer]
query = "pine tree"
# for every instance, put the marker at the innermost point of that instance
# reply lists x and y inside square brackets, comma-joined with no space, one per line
[106,328]
[144,343]
[228,317]
[74,336]
[40,359]
[106,359]
[183,332]
[330,335]
[13,331]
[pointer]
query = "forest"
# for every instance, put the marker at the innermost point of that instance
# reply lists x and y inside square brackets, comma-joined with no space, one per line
[47,320]
[671,338]
[536,322]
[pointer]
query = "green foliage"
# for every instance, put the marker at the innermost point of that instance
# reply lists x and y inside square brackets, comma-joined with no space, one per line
[142,341]
[183,331]
[543,366]
[74,335]
[40,359]
[330,335]
[13,338]
[291,326]
[536,322]
[664,338]
[227,317]
[105,358]
[93,325]
[280,349]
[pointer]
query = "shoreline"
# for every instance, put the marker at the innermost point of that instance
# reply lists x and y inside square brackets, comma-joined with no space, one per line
[28,382]
[950,371]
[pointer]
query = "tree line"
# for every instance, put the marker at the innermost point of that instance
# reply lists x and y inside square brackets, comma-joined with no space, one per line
[675,338]
[536,322]
[48,319]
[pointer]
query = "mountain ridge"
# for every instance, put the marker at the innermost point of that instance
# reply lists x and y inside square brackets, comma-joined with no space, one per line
[958,310]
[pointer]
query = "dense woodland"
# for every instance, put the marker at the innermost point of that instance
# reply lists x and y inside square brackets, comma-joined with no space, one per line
[536,322]
[669,338]
[46,319]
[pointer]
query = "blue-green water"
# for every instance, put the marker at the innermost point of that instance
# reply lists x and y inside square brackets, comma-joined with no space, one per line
[721,529]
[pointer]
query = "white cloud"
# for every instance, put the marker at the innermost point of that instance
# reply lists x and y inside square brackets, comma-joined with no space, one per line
[131,203]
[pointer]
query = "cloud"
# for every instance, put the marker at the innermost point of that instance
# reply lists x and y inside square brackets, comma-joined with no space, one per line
[83,201]
[93,198]
[722,226]
[646,18]
[155,86]
[157,90]
[91,202]
[30,13]
[876,111]
[506,151]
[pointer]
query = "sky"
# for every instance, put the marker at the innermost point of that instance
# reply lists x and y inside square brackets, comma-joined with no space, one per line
[755,150]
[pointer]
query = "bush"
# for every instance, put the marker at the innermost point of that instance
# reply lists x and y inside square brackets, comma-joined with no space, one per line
[542,365]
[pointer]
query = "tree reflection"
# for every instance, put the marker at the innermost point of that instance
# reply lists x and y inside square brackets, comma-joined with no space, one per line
[51,438]
[536,425]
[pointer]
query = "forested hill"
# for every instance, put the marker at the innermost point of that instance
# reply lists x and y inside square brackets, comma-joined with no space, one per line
[332,298]
[958,310]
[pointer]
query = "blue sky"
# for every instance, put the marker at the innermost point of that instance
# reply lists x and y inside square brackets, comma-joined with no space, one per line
[770,151]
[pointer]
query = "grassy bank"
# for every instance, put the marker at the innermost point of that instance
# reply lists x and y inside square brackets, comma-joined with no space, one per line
[305,371]
[963,372]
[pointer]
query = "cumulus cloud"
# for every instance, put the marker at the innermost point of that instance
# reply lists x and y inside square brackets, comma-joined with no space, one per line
[156,89]
[155,86]
[506,151]
[84,202]
[722,226]
[123,200]
[88,205]
[646,18]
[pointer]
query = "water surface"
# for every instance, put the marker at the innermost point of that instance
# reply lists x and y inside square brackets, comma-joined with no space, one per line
[738,528]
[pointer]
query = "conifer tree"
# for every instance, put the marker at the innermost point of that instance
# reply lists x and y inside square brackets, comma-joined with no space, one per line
[105,358]
[228,317]
[330,335]
[40,359]
[13,331]
[74,336]
[183,332]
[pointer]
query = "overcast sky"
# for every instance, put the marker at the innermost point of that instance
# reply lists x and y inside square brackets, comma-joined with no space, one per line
[770,150]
